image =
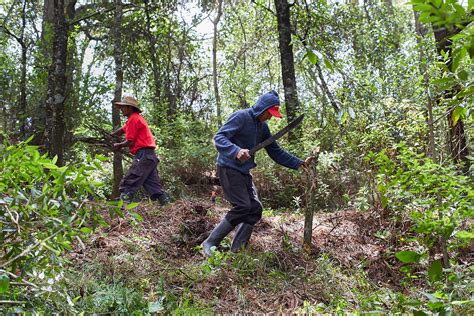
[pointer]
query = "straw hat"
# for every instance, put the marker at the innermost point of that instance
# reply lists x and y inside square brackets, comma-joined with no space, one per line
[130,101]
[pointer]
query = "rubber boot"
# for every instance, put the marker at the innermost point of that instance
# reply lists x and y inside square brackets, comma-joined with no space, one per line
[163,198]
[242,237]
[218,233]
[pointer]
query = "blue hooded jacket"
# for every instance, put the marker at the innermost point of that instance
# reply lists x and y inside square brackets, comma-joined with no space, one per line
[243,130]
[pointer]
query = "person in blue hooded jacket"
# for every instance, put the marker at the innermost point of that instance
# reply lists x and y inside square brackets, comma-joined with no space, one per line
[243,130]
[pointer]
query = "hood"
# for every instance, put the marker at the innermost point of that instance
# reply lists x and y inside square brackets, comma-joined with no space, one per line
[264,102]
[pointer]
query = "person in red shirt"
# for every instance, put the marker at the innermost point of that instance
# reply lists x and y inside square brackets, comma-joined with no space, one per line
[139,139]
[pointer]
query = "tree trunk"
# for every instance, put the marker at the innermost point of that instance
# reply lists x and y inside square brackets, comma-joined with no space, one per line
[326,90]
[56,93]
[214,62]
[22,101]
[287,62]
[117,31]
[426,82]
[157,82]
[43,59]
[457,135]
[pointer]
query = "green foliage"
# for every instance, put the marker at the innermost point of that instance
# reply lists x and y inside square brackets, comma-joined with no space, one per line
[408,256]
[43,210]
[186,152]
[456,65]
[435,196]
[439,202]
[113,298]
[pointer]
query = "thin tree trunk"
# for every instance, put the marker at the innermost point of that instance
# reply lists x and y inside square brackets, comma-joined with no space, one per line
[24,48]
[214,62]
[326,90]
[287,62]
[426,82]
[56,93]
[117,31]
[153,54]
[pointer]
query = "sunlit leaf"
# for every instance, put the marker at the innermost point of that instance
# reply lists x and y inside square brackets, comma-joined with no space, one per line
[437,3]
[137,216]
[86,230]
[458,57]
[408,256]
[312,57]
[458,113]
[132,205]
[48,165]
[464,235]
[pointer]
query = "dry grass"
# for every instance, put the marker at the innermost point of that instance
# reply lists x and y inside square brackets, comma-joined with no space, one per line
[276,277]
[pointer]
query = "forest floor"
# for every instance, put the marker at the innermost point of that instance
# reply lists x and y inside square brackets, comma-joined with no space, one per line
[159,256]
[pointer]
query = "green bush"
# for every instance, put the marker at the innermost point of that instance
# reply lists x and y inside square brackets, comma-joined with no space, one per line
[439,202]
[43,210]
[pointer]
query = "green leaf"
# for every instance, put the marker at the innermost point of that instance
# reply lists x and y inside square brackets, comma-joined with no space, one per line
[342,116]
[48,165]
[408,256]
[435,271]
[86,230]
[312,57]
[137,216]
[442,81]
[437,3]
[463,75]
[423,7]
[132,205]
[465,92]
[458,113]
[4,283]
[464,235]
[462,302]
[328,64]
[457,58]
[447,231]
[459,10]
[470,5]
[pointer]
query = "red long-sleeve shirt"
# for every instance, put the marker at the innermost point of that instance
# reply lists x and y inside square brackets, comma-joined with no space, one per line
[136,130]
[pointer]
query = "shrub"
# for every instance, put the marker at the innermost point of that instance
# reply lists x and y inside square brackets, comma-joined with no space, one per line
[43,210]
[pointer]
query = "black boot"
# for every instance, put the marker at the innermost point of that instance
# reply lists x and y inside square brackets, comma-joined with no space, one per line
[218,233]
[163,198]
[242,237]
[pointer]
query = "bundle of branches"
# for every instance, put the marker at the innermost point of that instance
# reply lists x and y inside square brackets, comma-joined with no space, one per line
[103,139]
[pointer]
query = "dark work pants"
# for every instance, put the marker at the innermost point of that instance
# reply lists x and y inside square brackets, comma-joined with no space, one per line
[240,191]
[142,172]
